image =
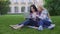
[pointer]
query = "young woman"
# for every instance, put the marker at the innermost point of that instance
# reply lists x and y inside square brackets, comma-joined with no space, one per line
[31,21]
[44,21]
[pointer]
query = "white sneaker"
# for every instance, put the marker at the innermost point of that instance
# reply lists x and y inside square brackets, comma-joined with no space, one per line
[40,28]
[51,26]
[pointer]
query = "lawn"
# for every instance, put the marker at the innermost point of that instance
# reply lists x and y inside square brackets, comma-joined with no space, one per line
[6,20]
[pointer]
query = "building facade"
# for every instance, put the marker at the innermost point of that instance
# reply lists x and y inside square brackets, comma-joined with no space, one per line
[21,6]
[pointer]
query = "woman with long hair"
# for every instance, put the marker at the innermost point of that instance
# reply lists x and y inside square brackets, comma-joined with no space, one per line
[31,21]
[45,20]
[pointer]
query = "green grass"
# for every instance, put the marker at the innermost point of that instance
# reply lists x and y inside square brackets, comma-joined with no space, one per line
[7,20]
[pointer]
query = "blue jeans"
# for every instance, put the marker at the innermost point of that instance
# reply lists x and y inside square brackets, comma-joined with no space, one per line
[29,22]
[44,23]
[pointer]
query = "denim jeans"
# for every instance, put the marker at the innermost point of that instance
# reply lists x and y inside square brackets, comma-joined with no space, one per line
[29,22]
[44,23]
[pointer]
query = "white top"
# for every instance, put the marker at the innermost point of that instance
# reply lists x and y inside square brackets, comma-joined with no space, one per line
[34,15]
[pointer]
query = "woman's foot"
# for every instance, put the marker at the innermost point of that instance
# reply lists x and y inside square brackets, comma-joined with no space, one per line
[51,26]
[16,26]
[13,25]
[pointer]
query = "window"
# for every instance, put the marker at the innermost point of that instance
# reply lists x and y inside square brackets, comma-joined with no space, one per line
[22,9]
[16,9]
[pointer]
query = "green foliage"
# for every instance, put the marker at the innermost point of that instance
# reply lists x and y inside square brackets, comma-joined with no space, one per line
[4,6]
[53,6]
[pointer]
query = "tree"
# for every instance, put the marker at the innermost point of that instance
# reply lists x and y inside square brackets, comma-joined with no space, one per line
[4,6]
[53,6]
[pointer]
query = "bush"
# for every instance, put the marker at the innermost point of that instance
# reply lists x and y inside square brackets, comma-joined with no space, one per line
[53,7]
[4,6]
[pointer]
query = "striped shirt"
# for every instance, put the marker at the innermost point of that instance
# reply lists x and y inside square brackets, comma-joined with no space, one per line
[44,15]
